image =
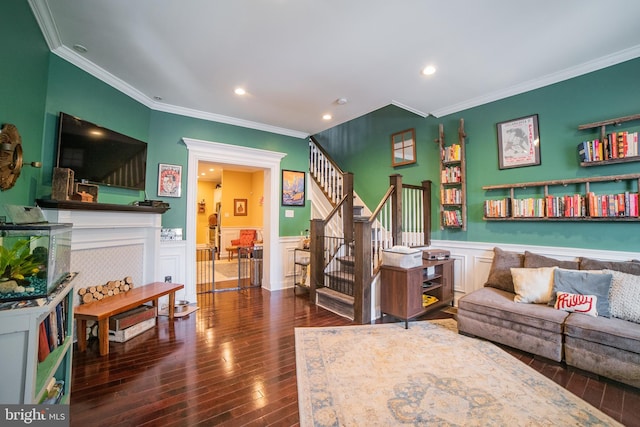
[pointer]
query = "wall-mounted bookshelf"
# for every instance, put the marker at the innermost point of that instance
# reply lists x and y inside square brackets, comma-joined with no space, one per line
[611,148]
[621,205]
[453,182]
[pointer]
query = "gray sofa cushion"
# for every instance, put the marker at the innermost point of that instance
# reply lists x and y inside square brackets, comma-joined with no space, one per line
[497,303]
[500,272]
[492,314]
[611,332]
[532,260]
[629,267]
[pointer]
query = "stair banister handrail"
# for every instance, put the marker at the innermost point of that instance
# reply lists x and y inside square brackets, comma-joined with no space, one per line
[383,201]
[325,154]
[335,209]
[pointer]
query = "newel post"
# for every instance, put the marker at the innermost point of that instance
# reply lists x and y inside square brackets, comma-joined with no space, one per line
[363,263]
[396,208]
[316,252]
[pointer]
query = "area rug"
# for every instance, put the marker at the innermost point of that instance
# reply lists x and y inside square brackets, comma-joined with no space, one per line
[385,375]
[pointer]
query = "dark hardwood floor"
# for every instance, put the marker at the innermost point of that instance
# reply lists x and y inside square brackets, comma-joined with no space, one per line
[232,363]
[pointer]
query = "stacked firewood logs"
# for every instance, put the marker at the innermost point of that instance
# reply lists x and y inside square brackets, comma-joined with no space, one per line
[112,287]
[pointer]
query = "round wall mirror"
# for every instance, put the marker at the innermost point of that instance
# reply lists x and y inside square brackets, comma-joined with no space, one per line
[10,156]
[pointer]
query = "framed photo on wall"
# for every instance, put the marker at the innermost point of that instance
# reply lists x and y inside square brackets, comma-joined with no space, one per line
[169,180]
[293,188]
[239,207]
[519,142]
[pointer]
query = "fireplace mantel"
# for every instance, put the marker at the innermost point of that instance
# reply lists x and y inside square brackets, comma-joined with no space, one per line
[90,206]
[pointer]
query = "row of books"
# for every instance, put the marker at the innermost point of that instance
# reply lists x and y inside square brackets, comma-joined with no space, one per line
[452,218]
[617,145]
[451,153]
[451,196]
[610,205]
[52,330]
[451,174]
[568,206]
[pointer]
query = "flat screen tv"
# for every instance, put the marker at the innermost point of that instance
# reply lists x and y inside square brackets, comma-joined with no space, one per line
[100,156]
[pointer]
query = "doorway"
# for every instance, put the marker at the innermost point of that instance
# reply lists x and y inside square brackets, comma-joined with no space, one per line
[269,162]
[222,263]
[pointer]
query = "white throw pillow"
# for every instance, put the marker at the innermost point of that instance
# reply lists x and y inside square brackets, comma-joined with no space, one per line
[577,303]
[533,285]
[624,296]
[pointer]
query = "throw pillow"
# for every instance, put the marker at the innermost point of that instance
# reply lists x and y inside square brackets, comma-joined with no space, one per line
[532,260]
[624,296]
[575,303]
[629,267]
[583,283]
[500,272]
[533,285]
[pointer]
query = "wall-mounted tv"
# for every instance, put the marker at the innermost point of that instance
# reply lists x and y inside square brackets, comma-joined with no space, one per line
[100,156]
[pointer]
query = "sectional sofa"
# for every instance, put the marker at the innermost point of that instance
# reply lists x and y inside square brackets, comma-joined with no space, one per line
[584,312]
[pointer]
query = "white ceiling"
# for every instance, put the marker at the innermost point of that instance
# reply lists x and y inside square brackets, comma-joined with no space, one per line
[295,58]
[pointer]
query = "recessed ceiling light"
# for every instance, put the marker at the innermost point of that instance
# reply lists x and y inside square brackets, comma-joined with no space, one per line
[341,101]
[211,169]
[79,48]
[327,117]
[240,91]
[203,174]
[428,70]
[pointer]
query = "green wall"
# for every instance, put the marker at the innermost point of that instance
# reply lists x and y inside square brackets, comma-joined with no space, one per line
[604,94]
[23,86]
[36,85]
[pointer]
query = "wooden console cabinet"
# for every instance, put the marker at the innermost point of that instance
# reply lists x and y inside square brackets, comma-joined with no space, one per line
[402,289]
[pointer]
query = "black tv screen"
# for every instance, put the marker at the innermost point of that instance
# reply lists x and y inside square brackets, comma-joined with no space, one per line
[100,156]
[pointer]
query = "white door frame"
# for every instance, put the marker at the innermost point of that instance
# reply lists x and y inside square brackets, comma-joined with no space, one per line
[208,151]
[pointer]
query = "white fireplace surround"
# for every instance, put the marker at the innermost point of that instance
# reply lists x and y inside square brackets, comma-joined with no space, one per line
[111,245]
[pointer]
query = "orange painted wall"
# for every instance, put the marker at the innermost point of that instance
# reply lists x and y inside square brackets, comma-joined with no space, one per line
[242,185]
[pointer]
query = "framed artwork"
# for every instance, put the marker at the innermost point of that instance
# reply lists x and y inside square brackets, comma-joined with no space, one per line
[293,188]
[239,207]
[519,142]
[403,147]
[169,180]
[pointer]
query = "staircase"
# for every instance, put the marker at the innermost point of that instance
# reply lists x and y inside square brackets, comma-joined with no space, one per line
[346,247]
[339,283]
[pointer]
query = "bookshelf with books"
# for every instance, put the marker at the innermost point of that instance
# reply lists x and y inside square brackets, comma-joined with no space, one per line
[532,201]
[453,204]
[609,148]
[37,340]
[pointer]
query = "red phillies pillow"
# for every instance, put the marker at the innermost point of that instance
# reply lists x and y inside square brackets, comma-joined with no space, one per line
[576,303]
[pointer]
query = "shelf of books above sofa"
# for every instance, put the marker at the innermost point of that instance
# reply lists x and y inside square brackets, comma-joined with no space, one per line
[585,205]
[610,148]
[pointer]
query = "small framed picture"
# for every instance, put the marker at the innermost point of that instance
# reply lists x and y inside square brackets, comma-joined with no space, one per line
[239,207]
[293,188]
[519,142]
[169,180]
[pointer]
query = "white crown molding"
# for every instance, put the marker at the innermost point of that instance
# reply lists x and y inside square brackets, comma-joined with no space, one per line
[167,108]
[47,25]
[566,74]
[409,109]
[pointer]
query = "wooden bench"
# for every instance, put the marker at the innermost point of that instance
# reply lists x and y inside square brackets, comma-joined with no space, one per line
[102,310]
